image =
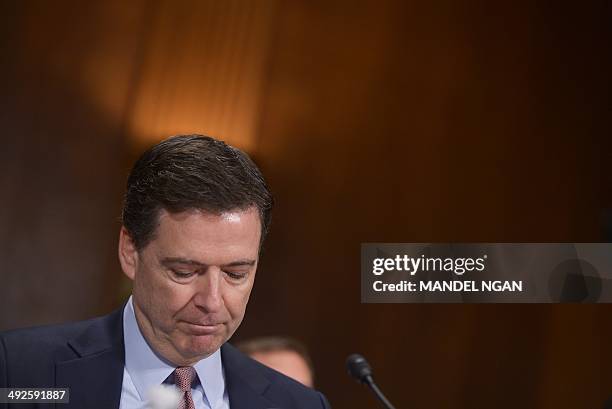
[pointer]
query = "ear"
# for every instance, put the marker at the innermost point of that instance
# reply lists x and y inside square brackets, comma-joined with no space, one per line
[128,255]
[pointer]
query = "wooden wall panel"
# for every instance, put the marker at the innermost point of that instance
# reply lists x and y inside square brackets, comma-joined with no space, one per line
[413,122]
[202,70]
[66,75]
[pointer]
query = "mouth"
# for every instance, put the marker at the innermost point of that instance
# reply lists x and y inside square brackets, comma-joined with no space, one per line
[202,329]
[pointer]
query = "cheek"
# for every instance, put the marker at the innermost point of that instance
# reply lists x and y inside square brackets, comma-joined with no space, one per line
[236,301]
[163,298]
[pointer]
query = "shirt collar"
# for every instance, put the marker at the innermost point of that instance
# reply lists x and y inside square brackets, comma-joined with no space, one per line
[147,369]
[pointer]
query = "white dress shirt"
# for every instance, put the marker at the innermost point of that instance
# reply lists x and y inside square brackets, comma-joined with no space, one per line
[144,369]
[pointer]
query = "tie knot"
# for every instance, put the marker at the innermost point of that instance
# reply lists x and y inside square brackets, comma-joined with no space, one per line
[184,376]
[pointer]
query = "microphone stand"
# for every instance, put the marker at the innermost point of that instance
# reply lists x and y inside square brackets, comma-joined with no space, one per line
[368,380]
[359,369]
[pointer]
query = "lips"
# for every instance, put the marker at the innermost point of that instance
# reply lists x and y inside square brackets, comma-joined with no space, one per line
[203,329]
[204,324]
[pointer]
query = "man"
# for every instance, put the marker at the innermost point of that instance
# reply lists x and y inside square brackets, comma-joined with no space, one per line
[195,215]
[286,355]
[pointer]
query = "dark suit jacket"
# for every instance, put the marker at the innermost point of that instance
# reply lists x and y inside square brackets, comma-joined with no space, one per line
[88,357]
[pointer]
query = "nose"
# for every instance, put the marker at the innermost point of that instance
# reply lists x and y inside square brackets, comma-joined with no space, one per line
[208,292]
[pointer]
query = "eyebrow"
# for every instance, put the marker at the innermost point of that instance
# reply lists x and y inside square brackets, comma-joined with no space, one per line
[180,260]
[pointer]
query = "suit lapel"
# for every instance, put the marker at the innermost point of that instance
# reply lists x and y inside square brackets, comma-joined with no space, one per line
[94,381]
[245,386]
[95,377]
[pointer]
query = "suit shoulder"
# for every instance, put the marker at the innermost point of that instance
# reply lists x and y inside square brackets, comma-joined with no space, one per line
[281,389]
[45,336]
[29,355]
[299,394]
[281,379]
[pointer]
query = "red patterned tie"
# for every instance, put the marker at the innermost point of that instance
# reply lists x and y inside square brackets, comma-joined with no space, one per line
[183,377]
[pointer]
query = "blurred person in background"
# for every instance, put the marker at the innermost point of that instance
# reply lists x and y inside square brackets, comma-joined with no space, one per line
[283,354]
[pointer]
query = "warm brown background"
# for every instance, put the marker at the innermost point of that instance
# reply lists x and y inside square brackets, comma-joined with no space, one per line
[391,121]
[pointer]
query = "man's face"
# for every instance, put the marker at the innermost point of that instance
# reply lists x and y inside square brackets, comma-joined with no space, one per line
[193,280]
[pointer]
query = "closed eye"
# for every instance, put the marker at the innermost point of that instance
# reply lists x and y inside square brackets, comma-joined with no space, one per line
[234,275]
[182,274]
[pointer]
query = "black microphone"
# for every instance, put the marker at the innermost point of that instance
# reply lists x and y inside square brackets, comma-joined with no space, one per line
[360,370]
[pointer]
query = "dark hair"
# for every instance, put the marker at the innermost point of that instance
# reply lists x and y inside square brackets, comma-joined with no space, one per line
[274,344]
[192,172]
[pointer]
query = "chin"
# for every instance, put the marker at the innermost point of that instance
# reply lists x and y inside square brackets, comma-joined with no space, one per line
[201,346]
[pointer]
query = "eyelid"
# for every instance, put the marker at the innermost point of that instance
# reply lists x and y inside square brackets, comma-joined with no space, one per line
[236,274]
[183,273]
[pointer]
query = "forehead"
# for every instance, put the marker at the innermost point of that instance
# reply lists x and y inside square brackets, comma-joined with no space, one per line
[208,237]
